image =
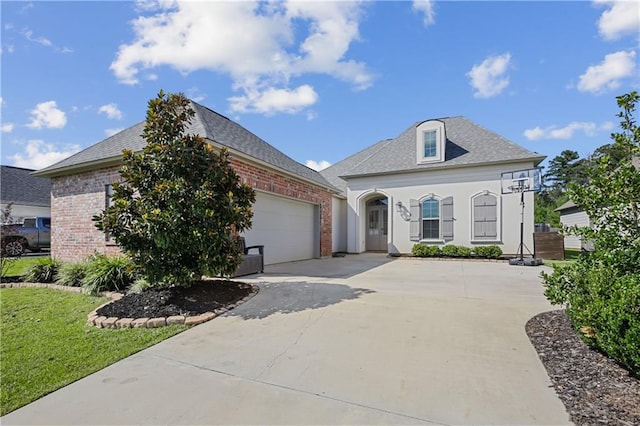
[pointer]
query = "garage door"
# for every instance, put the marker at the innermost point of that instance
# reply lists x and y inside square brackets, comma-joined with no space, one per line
[285,227]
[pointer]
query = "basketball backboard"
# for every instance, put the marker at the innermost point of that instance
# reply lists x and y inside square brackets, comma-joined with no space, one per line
[526,180]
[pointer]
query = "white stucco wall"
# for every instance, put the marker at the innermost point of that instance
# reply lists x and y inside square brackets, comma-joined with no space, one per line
[573,218]
[462,184]
[20,211]
[339,224]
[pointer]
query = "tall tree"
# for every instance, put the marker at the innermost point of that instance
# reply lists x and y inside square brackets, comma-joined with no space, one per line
[566,167]
[180,206]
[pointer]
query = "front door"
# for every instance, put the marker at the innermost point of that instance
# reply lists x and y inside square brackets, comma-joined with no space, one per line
[377,224]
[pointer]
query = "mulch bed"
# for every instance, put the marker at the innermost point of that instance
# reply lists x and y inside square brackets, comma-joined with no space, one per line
[201,297]
[594,389]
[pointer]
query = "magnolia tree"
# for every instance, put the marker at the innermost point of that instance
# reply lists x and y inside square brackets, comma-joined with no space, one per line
[612,197]
[601,290]
[179,208]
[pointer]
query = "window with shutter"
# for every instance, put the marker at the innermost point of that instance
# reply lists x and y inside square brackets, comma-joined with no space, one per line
[485,217]
[431,219]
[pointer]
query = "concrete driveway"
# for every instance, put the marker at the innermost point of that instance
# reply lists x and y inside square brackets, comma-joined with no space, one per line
[355,340]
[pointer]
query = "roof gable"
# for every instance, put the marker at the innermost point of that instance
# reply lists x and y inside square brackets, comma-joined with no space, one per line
[467,144]
[206,123]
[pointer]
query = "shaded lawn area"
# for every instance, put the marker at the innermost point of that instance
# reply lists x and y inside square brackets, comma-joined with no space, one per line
[46,344]
[570,257]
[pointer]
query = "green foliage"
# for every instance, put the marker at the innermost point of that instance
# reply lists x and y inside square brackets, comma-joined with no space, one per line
[464,251]
[6,265]
[567,168]
[489,252]
[71,274]
[450,250]
[603,305]
[108,273]
[139,286]
[44,271]
[180,206]
[546,203]
[602,290]
[423,250]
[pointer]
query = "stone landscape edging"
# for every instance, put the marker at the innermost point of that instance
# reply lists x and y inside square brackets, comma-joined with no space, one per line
[95,320]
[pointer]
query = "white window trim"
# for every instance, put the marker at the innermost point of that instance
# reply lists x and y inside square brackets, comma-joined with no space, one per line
[440,239]
[498,238]
[426,127]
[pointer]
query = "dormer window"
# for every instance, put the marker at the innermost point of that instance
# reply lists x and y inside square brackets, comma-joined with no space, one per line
[430,144]
[430,141]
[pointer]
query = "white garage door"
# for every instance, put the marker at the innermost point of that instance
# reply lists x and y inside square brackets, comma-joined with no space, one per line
[285,227]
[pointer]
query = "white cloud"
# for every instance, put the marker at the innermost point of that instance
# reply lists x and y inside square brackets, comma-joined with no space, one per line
[271,100]
[7,127]
[195,94]
[621,18]
[489,78]
[317,165]
[567,132]
[28,34]
[608,75]
[47,114]
[111,110]
[426,8]
[261,55]
[111,132]
[38,155]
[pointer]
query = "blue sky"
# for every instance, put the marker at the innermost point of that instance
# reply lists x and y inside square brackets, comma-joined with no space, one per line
[319,81]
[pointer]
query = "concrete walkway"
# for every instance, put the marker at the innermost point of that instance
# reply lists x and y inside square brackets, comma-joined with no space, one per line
[355,340]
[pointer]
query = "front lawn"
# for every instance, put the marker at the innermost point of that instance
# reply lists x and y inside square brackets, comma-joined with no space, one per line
[46,344]
[19,265]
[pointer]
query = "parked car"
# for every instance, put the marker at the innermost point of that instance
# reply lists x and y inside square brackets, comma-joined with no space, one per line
[33,234]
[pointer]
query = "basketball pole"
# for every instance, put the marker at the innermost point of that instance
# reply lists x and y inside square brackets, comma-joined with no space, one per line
[521,248]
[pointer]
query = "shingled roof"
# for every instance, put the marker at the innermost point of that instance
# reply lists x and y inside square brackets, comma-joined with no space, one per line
[208,124]
[19,186]
[468,144]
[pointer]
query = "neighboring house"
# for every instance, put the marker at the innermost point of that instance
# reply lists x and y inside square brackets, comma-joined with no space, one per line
[438,182]
[292,213]
[28,195]
[572,215]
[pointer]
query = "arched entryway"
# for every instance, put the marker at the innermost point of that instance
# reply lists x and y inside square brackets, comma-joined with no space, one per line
[377,226]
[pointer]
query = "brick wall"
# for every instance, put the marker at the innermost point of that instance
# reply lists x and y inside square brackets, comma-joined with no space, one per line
[75,199]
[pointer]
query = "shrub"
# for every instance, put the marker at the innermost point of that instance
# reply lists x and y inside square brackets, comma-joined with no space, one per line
[71,273]
[450,250]
[44,271]
[423,250]
[489,252]
[108,273]
[6,263]
[464,251]
[603,305]
[602,290]
[140,285]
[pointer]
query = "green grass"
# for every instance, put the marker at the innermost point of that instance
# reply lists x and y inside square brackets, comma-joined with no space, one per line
[21,264]
[570,256]
[46,344]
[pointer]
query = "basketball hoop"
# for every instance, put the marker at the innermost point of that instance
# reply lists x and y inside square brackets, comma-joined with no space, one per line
[519,182]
